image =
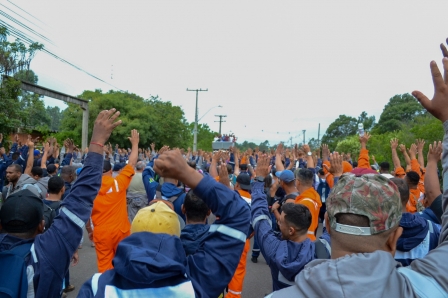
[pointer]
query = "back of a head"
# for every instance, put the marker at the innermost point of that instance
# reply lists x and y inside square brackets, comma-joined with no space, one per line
[68,170]
[55,184]
[195,208]
[298,216]
[403,189]
[15,156]
[305,176]
[140,166]
[22,213]
[229,169]
[362,206]
[37,171]
[412,178]
[384,167]
[51,169]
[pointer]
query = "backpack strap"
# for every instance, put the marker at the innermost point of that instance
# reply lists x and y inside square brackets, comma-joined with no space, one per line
[159,192]
[423,285]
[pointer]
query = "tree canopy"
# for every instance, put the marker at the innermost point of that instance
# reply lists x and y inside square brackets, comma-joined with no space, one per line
[401,109]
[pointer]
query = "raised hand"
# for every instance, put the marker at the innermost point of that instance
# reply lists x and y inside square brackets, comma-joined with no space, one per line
[224,175]
[104,125]
[335,164]
[394,143]
[263,166]
[279,149]
[134,138]
[69,145]
[435,152]
[412,151]
[420,144]
[402,148]
[438,106]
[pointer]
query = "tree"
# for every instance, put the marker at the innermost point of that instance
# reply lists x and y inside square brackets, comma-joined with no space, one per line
[205,136]
[368,122]
[401,109]
[15,59]
[341,128]
[55,115]
[157,121]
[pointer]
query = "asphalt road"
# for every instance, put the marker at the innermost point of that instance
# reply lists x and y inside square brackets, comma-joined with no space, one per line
[257,282]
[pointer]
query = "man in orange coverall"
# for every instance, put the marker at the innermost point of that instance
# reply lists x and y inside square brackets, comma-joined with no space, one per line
[109,213]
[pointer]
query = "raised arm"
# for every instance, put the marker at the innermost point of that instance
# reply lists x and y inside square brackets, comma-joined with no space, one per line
[278,158]
[395,159]
[213,170]
[364,160]
[431,265]
[134,139]
[432,185]
[226,237]
[420,145]
[30,160]
[407,159]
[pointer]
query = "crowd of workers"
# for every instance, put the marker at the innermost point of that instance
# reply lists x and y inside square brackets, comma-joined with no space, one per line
[175,223]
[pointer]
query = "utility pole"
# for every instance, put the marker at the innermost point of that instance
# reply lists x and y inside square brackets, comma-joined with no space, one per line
[220,121]
[195,133]
[318,136]
[304,136]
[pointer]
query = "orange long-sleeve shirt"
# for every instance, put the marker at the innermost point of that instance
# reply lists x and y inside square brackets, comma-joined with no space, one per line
[415,166]
[414,196]
[311,199]
[363,159]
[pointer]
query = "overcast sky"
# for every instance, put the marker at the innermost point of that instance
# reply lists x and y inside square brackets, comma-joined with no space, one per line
[276,67]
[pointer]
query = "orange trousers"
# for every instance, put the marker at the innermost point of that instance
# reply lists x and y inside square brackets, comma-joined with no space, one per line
[106,243]
[236,284]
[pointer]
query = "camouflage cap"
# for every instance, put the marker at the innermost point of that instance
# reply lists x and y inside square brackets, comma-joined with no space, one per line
[370,195]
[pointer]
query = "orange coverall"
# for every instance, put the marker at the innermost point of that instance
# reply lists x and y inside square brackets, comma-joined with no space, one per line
[110,217]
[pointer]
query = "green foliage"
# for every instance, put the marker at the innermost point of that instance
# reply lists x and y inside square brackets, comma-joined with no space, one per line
[400,110]
[341,128]
[55,115]
[157,121]
[10,106]
[349,145]
[205,136]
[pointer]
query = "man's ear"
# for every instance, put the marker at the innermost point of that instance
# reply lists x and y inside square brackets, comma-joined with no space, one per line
[209,212]
[327,223]
[291,230]
[392,240]
[41,227]
[183,209]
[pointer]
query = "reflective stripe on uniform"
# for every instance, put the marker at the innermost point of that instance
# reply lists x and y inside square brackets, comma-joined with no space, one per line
[261,217]
[231,232]
[73,217]
[94,283]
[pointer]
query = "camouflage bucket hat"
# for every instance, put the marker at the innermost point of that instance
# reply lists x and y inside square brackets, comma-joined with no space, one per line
[370,195]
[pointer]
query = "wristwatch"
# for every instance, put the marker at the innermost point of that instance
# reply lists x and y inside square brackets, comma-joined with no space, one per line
[259,179]
[309,153]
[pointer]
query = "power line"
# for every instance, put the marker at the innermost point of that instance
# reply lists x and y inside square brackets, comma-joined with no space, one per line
[21,35]
[25,20]
[26,12]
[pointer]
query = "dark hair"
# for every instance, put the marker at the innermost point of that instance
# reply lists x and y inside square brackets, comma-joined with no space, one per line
[55,184]
[385,166]
[18,224]
[305,176]
[243,167]
[15,155]
[51,169]
[321,171]
[192,164]
[412,178]
[268,181]
[229,169]
[68,170]
[355,164]
[403,189]
[17,167]
[37,171]
[352,219]
[195,208]
[298,216]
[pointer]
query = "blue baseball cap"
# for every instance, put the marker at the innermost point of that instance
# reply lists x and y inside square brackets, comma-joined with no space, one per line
[285,175]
